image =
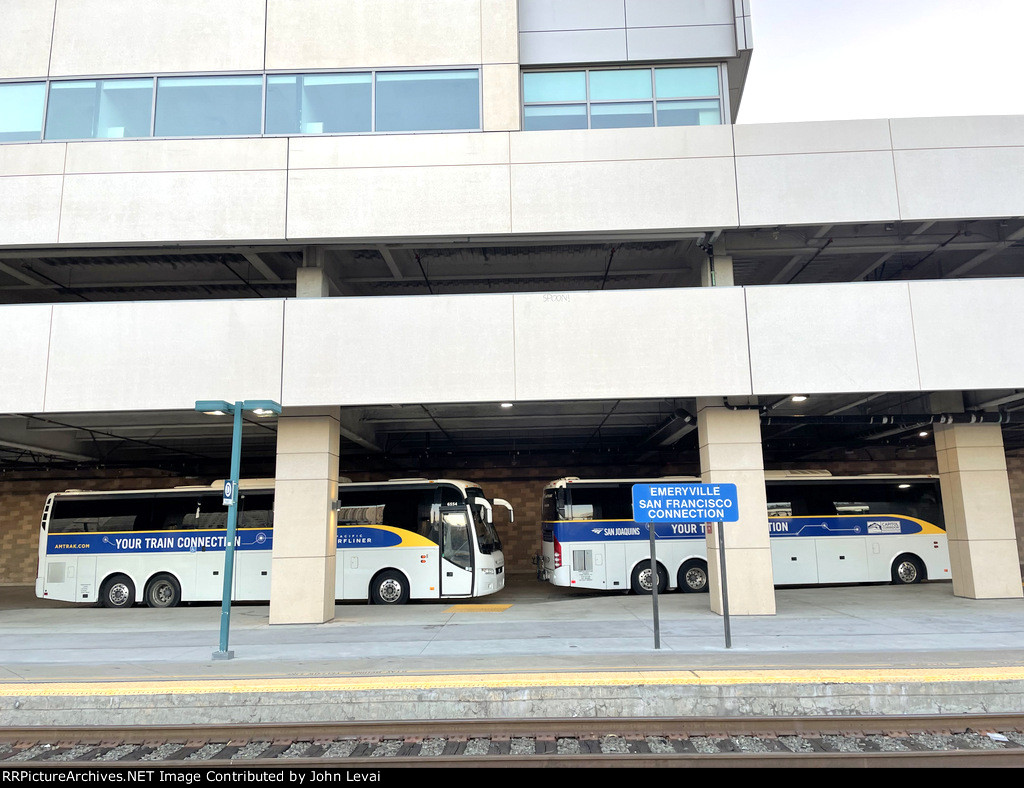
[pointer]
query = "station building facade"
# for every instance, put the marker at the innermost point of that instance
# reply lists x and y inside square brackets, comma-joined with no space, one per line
[321,141]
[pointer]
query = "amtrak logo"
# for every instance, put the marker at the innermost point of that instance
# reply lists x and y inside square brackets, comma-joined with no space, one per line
[597,531]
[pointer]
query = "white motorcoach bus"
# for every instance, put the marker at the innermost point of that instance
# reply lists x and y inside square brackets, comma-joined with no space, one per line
[823,529]
[398,540]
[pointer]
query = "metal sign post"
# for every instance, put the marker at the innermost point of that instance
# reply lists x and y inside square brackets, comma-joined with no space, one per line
[654,589]
[725,585]
[675,503]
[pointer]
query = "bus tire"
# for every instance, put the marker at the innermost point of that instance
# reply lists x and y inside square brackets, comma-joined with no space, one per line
[163,591]
[640,582]
[907,569]
[117,591]
[693,577]
[389,588]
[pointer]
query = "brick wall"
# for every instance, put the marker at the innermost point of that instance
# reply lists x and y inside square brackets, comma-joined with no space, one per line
[21,501]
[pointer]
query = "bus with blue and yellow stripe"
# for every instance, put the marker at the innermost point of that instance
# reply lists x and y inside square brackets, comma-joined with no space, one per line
[822,529]
[397,541]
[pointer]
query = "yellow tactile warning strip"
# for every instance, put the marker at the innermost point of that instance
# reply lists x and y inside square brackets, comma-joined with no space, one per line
[179,686]
[476,608]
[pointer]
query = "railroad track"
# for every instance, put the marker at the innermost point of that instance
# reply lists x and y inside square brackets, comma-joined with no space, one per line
[813,741]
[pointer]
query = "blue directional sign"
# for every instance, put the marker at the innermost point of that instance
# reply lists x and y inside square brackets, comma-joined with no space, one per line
[683,502]
[230,492]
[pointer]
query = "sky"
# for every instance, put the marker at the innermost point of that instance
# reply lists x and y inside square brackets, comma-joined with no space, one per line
[843,59]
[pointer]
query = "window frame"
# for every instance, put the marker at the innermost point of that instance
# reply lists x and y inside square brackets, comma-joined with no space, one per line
[722,98]
[47,82]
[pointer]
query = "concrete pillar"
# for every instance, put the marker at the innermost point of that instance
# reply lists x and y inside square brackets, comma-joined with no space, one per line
[730,451]
[311,280]
[977,510]
[302,578]
[719,268]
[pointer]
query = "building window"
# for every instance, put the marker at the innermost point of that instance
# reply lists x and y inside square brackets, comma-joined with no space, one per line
[622,98]
[233,105]
[319,103]
[208,106]
[99,109]
[428,101]
[21,111]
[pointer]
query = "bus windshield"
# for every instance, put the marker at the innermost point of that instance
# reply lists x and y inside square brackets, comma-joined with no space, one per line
[486,534]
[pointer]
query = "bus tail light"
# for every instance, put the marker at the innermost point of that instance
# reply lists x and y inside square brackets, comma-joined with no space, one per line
[558,554]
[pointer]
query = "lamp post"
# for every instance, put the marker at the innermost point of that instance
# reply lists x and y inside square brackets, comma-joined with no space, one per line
[262,408]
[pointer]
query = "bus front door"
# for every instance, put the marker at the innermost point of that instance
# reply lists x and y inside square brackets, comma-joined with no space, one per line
[456,553]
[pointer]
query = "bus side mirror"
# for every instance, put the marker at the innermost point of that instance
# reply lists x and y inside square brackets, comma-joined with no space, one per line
[507,505]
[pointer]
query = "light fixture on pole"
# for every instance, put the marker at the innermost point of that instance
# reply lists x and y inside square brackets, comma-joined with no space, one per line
[217,407]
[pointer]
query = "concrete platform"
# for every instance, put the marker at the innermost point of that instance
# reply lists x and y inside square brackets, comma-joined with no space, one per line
[532,650]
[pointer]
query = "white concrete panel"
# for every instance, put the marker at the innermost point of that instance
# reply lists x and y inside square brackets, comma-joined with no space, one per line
[499,31]
[677,194]
[372,33]
[968,333]
[963,132]
[143,37]
[678,142]
[960,182]
[638,343]
[25,38]
[818,188]
[766,139]
[571,14]
[184,155]
[501,103]
[396,150]
[658,13]
[32,159]
[809,339]
[386,202]
[394,350]
[163,355]
[672,43]
[26,336]
[573,46]
[173,206]
[31,213]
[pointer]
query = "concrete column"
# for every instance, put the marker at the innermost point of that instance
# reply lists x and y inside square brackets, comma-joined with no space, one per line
[977,511]
[499,49]
[730,451]
[721,267]
[302,578]
[311,280]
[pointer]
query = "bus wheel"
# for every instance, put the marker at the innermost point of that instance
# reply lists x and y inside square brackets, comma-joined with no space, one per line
[693,577]
[907,569]
[163,591]
[389,588]
[641,580]
[118,591]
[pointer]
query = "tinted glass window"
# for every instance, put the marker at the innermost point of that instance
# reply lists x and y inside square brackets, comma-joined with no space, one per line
[604,502]
[621,98]
[319,103]
[256,510]
[21,111]
[408,509]
[89,515]
[89,109]
[428,101]
[208,106]
[917,499]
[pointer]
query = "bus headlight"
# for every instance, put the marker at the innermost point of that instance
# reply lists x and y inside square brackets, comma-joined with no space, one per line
[487,571]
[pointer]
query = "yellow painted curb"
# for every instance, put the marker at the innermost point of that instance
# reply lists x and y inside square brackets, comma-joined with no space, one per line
[510,680]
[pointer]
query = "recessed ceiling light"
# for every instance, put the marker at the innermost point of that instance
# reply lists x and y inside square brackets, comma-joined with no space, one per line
[799,398]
